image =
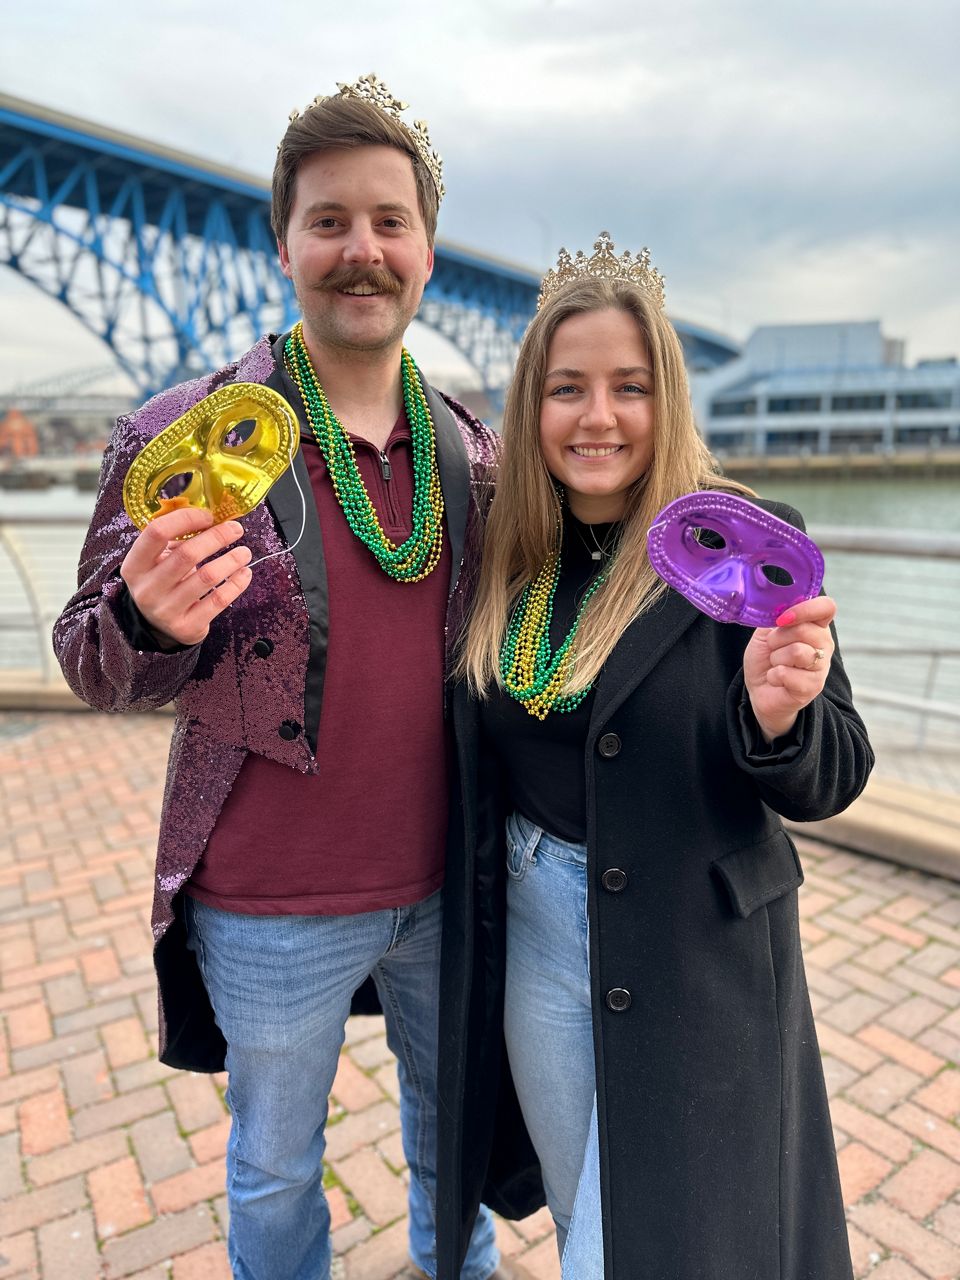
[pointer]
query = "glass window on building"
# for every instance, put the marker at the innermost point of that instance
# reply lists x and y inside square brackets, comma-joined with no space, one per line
[866,441]
[794,404]
[730,442]
[733,408]
[857,404]
[922,435]
[923,400]
[792,441]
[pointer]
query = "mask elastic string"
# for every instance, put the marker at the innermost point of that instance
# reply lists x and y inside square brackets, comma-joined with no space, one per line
[303,519]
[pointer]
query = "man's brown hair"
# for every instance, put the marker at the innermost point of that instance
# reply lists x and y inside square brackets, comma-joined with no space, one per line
[344,122]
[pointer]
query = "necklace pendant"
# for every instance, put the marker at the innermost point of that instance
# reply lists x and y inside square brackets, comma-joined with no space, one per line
[596,555]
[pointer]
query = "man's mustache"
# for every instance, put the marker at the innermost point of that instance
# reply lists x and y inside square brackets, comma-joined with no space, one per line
[353,277]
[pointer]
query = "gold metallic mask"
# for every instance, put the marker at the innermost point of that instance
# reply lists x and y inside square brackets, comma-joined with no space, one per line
[227,479]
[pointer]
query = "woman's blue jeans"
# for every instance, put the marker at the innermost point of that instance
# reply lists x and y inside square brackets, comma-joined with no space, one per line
[281,988]
[549,1031]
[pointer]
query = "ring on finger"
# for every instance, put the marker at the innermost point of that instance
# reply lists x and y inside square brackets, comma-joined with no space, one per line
[817,658]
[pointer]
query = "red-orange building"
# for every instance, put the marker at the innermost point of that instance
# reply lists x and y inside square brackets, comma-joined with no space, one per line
[18,436]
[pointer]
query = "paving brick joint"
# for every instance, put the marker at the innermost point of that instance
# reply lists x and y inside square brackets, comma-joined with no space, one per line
[112,1165]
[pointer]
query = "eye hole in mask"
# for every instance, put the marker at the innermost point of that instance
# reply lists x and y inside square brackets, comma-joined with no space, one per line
[241,437]
[174,492]
[780,577]
[732,560]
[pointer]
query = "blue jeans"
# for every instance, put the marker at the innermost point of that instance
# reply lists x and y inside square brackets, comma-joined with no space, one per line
[281,987]
[549,1032]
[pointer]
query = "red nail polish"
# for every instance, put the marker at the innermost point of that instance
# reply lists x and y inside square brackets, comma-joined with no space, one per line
[786,618]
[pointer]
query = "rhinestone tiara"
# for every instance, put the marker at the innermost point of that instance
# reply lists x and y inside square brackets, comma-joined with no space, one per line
[372,90]
[604,265]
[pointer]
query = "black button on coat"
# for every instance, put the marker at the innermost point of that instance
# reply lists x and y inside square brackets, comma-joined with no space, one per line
[716,1150]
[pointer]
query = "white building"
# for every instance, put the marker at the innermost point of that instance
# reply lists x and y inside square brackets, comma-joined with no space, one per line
[827,388]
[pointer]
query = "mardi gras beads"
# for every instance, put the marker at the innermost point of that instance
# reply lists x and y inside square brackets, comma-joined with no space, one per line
[415,558]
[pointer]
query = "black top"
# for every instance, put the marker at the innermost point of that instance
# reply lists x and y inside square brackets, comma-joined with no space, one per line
[542,760]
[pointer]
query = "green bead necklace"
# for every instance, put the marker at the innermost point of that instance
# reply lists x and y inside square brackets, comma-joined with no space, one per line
[418,556]
[531,673]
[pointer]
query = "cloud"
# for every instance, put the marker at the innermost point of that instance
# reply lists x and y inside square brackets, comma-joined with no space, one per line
[795,162]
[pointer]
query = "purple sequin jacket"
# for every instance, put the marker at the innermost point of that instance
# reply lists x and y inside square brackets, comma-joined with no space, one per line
[228,701]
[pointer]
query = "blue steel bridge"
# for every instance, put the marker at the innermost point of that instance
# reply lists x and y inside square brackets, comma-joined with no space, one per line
[170,259]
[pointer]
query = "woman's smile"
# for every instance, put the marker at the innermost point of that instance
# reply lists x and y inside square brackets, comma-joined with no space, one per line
[592,451]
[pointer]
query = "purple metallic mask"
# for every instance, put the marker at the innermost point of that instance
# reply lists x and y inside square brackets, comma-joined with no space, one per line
[728,581]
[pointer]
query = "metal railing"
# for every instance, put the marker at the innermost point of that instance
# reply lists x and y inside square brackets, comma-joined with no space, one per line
[925,706]
[914,676]
[38,559]
[908,543]
[936,698]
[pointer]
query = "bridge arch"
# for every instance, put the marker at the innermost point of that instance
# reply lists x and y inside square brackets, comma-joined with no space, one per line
[170,260]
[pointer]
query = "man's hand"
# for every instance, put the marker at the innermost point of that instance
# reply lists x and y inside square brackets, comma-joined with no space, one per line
[786,666]
[178,595]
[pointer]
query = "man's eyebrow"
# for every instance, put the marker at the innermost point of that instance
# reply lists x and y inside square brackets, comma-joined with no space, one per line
[334,206]
[394,206]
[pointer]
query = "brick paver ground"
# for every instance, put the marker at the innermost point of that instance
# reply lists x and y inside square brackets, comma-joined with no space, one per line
[111,1165]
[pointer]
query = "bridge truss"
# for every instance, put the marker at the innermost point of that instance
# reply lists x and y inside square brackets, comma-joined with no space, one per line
[171,260]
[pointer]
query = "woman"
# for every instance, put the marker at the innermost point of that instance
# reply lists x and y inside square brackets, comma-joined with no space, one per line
[624,764]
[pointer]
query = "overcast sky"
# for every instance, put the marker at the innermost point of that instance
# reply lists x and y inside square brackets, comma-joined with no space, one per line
[783,161]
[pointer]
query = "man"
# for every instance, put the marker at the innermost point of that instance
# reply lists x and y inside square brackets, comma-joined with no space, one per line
[302,833]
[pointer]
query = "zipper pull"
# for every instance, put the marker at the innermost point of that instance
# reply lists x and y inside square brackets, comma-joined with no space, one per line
[385,468]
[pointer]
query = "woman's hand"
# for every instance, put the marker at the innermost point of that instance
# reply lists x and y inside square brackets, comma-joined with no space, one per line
[786,666]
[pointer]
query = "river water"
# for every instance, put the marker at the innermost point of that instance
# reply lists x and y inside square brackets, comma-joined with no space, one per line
[886,599]
[909,502]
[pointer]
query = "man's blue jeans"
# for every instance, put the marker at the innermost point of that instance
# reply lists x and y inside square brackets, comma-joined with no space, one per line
[281,987]
[549,1032]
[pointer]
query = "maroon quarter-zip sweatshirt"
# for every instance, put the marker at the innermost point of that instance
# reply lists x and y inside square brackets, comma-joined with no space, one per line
[368,831]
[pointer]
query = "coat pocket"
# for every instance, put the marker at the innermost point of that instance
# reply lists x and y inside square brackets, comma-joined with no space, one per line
[759,873]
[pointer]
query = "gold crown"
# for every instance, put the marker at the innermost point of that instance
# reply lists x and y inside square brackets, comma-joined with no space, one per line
[372,90]
[604,265]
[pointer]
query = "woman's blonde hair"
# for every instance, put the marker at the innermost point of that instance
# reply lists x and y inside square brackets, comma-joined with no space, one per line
[523,525]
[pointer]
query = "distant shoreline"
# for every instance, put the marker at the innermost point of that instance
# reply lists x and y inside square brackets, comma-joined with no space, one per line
[39,474]
[914,462]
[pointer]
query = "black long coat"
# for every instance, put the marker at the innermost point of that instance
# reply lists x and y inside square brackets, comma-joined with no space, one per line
[716,1152]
